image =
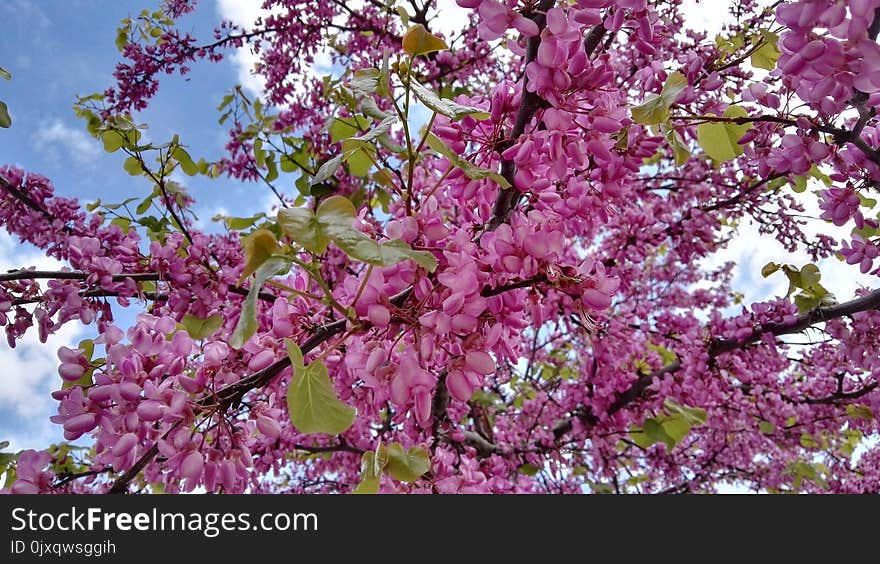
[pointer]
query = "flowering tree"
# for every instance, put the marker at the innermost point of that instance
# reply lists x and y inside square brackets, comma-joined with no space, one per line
[484,272]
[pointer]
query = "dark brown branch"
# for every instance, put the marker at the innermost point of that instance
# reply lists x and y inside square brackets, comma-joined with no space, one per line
[152,296]
[121,483]
[531,103]
[341,447]
[868,302]
[233,393]
[488,291]
[840,397]
[22,274]
[67,478]
[72,275]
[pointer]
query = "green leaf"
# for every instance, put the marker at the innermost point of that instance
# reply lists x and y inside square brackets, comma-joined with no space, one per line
[370,108]
[655,109]
[122,222]
[132,166]
[247,322]
[312,401]
[676,427]
[681,152]
[187,165]
[259,153]
[468,168]
[371,470]
[810,275]
[288,164]
[528,469]
[673,87]
[407,465]
[334,221]
[258,247]
[364,82]
[652,111]
[666,355]
[272,168]
[800,184]
[5,120]
[766,56]
[115,139]
[368,138]
[295,354]
[199,328]
[301,225]
[769,269]
[396,251]
[866,202]
[144,205]
[445,106]
[359,161]
[656,434]
[343,128]
[859,412]
[418,41]
[719,139]
[239,223]
[327,170]
[807,441]
[766,427]
[693,415]
[5,74]
[122,37]
[368,485]
[336,216]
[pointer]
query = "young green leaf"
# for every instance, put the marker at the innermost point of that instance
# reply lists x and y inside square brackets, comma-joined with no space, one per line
[445,106]
[468,168]
[313,404]
[258,247]
[418,41]
[5,120]
[769,269]
[132,166]
[302,226]
[199,328]
[247,322]
[396,251]
[766,56]
[408,465]
[655,109]
[719,139]
[371,471]
[334,221]
[327,170]
[187,165]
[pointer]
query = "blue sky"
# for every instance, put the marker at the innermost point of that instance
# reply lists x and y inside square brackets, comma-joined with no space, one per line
[57,49]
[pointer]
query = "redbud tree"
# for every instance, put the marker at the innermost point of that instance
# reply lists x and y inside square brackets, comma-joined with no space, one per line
[486,269]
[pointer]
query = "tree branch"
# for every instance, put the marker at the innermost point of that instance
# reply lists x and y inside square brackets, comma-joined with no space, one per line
[530,104]
[868,302]
[23,274]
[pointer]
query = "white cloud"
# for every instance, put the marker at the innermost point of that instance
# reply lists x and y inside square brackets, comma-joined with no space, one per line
[750,251]
[58,140]
[451,18]
[244,13]
[30,371]
[710,15]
